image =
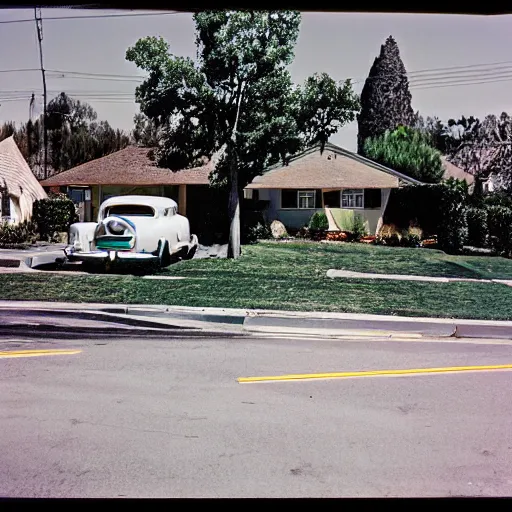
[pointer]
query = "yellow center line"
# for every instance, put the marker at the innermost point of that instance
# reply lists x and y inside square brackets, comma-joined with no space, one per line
[374,373]
[37,353]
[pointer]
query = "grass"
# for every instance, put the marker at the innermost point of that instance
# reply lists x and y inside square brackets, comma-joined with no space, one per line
[293,277]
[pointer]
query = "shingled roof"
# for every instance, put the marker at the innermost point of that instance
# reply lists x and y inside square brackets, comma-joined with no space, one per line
[130,165]
[452,171]
[334,168]
[17,179]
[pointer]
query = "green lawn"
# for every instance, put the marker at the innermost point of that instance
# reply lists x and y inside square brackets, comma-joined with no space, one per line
[302,260]
[292,277]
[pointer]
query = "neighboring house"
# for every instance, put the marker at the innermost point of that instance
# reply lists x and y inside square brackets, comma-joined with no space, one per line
[452,171]
[19,188]
[128,171]
[342,181]
[491,182]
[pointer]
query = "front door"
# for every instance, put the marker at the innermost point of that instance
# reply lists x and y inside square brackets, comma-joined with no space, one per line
[82,197]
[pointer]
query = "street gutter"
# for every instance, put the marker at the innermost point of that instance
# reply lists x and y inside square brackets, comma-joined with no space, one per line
[268,321]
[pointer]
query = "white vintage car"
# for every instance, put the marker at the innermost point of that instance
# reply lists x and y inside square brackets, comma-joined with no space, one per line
[133,229]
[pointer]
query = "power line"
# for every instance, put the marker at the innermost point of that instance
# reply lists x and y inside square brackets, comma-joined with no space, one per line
[96,16]
[439,86]
[94,74]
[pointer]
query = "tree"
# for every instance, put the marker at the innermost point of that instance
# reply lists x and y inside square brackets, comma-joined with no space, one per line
[74,135]
[323,106]
[407,151]
[236,106]
[385,98]
[483,147]
[145,131]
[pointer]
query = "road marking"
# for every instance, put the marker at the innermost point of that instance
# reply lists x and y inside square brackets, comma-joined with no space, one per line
[37,353]
[374,373]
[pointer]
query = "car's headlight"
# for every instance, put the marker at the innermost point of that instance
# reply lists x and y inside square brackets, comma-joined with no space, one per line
[100,230]
[116,228]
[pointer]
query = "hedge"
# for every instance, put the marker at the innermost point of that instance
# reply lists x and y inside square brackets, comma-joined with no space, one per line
[439,209]
[53,215]
[499,220]
[477,227]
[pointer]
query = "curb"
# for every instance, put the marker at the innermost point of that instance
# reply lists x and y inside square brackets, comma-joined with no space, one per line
[268,321]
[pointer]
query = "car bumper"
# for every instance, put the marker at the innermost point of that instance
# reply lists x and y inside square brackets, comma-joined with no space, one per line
[112,256]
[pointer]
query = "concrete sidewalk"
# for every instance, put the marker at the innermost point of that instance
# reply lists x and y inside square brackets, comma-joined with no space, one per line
[272,322]
[348,274]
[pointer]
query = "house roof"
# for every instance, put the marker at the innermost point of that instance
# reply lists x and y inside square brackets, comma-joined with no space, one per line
[334,168]
[132,166]
[18,179]
[452,171]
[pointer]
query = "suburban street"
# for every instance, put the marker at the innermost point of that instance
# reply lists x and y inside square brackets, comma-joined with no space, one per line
[146,417]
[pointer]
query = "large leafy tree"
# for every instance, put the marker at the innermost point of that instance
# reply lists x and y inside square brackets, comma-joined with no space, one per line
[237,105]
[407,151]
[481,147]
[323,106]
[231,104]
[385,98]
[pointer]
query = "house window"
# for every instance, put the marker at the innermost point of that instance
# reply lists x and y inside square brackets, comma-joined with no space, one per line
[306,199]
[352,198]
[302,199]
[6,205]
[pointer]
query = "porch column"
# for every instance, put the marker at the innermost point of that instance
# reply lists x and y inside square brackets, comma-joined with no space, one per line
[384,202]
[182,200]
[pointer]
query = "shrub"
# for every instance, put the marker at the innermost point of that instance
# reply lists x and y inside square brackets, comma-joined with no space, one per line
[319,221]
[17,234]
[358,228]
[499,220]
[498,198]
[53,215]
[260,231]
[439,209]
[410,240]
[477,227]
[452,231]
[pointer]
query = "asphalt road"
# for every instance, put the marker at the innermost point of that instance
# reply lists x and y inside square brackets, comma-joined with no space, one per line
[167,418]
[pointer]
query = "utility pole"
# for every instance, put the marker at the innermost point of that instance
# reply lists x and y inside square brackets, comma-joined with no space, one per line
[39,26]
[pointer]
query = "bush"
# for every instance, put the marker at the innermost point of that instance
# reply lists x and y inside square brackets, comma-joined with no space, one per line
[477,227]
[498,198]
[17,234]
[358,228]
[452,231]
[319,221]
[439,209]
[53,215]
[260,231]
[499,220]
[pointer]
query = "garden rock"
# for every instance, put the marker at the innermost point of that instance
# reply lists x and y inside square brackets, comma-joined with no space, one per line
[278,230]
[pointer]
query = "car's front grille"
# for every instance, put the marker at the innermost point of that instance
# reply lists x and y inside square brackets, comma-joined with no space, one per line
[111,242]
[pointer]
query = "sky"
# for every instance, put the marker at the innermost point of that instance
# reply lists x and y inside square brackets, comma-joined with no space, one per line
[437,50]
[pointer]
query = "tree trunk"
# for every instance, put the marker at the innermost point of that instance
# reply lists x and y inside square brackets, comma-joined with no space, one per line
[234,250]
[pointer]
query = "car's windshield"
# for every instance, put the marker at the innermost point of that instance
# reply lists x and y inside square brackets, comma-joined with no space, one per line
[130,210]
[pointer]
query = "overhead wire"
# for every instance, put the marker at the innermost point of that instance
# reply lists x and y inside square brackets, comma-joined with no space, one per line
[95,16]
